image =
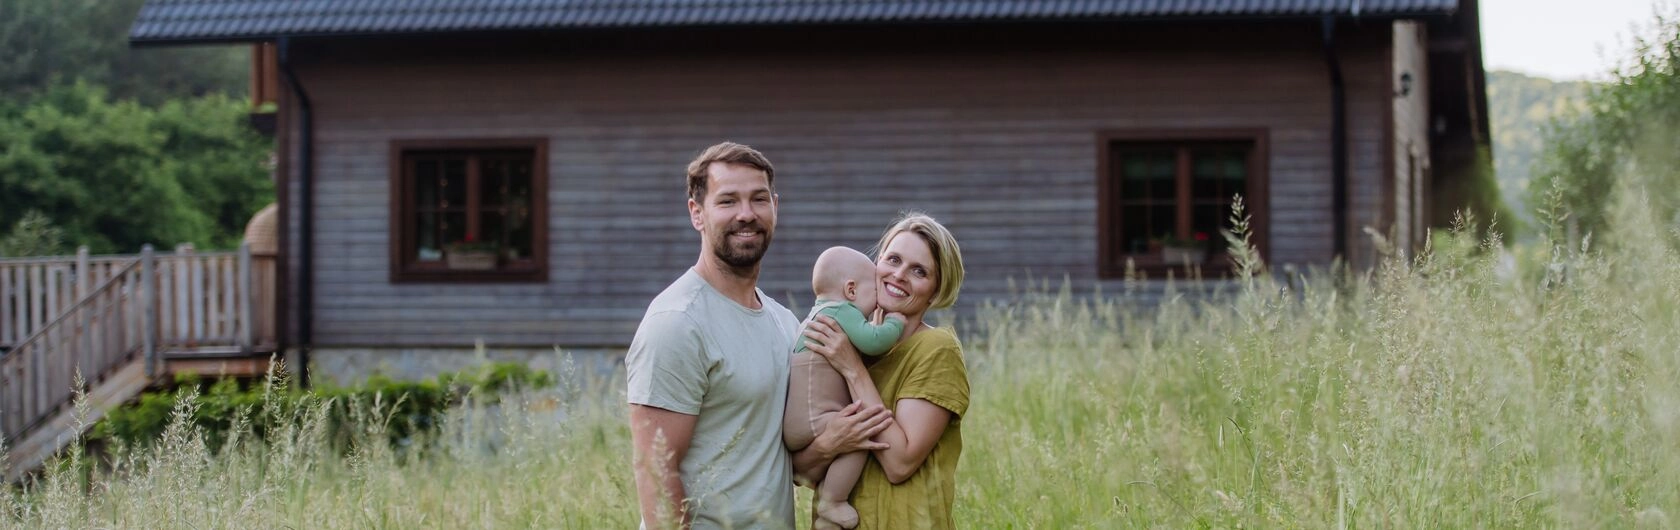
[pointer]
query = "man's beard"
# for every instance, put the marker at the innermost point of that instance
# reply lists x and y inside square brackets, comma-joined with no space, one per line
[741,258]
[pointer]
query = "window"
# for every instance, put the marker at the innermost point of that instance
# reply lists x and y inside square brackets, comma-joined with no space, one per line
[472,210]
[1165,197]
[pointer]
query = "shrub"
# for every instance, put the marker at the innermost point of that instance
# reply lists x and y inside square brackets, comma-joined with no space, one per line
[412,409]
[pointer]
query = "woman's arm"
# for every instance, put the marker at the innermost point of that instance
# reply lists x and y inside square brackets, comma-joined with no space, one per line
[919,423]
[922,423]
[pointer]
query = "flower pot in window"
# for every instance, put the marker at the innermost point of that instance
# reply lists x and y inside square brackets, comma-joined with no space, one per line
[471,260]
[1175,255]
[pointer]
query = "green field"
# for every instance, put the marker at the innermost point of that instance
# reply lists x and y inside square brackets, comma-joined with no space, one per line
[1469,388]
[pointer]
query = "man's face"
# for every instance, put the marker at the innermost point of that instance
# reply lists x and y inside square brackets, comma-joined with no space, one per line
[737,216]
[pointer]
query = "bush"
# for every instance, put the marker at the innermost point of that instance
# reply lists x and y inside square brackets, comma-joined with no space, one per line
[33,235]
[412,410]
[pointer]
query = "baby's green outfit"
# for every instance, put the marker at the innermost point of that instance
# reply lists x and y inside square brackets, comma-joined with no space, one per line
[870,339]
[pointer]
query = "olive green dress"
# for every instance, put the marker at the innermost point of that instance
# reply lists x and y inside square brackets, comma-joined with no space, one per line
[927,366]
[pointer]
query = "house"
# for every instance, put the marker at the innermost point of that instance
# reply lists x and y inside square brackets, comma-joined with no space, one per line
[509,171]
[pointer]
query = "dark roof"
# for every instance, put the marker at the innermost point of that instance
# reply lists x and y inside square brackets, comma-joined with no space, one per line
[181,21]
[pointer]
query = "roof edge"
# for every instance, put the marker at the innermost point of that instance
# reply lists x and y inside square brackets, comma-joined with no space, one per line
[247,38]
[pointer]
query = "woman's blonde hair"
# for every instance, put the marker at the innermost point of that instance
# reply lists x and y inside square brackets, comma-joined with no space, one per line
[947,256]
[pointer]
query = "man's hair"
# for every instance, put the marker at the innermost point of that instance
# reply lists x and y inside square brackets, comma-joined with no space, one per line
[728,152]
[947,257]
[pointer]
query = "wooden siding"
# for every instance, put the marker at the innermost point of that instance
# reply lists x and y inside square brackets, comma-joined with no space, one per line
[994,141]
[1411,135]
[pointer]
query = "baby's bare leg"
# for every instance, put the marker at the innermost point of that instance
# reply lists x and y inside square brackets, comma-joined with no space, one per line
[842,476]
[837,485]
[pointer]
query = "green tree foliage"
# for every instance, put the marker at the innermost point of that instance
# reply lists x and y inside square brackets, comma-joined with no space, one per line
[48,42]
[115,175]
[1522,109]
[115,147]
[1627,135]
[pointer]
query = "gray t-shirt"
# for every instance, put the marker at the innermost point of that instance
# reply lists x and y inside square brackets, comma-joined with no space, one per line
[698,352]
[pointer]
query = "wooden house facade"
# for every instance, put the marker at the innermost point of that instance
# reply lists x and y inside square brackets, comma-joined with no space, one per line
[511,172]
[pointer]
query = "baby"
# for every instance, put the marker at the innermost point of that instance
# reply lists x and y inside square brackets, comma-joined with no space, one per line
[845,284]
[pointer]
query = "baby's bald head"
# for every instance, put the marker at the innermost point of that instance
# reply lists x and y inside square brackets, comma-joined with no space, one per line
[843,273]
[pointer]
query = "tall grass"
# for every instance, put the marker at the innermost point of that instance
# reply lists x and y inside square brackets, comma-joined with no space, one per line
[1464,387]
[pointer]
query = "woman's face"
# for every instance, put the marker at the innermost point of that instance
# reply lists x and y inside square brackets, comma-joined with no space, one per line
[908,276]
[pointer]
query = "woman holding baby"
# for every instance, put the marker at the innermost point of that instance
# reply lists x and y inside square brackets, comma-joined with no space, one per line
[911,483]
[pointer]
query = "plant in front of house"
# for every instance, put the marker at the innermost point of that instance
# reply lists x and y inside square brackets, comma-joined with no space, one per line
[470,254]
[412,411]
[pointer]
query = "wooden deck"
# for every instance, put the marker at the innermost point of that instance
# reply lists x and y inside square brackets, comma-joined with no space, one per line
[113,326]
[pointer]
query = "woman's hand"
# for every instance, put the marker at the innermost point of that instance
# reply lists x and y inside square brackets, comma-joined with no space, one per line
[825,338]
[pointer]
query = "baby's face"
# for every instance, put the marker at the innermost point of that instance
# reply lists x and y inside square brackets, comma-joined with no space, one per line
[868,289]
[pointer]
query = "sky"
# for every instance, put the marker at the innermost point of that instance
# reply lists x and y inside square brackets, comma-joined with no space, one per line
[1564,39]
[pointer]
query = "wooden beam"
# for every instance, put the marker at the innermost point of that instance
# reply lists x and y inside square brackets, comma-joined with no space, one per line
[1449,45]
[247,321]
[148,308]
[223,367]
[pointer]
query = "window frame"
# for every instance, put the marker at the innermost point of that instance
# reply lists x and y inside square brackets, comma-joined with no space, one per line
[402,211]
[1111,264]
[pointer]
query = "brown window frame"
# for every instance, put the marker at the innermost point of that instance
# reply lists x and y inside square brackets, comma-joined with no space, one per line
[403,240]
[1111,259]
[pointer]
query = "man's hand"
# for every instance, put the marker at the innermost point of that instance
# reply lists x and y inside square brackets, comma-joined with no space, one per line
[852,428]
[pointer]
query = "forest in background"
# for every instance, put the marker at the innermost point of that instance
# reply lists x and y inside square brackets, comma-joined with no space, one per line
[114,147]
[1522,109]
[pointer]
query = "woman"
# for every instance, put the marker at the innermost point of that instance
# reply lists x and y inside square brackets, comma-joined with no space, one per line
[912,482]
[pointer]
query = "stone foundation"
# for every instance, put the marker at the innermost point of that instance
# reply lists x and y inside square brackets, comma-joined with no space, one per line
[349,366]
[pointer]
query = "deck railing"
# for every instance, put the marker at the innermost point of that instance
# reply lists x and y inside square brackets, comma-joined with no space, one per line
[35,291]
[182,303]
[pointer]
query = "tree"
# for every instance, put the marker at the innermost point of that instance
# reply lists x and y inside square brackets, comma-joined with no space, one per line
[117,175]
[48,42]
[1627,135]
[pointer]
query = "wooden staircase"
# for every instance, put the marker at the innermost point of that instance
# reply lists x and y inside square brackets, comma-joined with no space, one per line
[123,324]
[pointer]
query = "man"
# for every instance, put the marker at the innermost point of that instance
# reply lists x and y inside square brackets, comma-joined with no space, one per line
[708,368]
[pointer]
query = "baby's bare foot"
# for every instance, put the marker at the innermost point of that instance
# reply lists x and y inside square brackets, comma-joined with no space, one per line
[839,513]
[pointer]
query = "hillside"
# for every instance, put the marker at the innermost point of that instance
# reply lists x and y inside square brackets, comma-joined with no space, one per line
[1521,108]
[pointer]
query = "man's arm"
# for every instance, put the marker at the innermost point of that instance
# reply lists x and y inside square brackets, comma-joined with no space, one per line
[665,383]
[660,439]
